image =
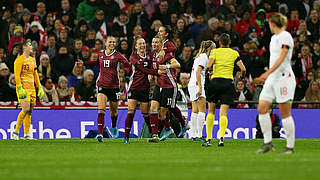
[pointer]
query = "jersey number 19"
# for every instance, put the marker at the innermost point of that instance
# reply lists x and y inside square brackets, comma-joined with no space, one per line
[106,63]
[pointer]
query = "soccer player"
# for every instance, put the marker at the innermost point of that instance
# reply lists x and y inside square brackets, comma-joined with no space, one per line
[166,34]
[196,89]
[26,76]
[279,85]
[108,84]
[221,87]
[165,92]
[139,86]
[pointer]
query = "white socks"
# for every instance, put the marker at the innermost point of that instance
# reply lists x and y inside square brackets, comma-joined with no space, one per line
[288,125]
[265,124]
[194,125]
[200,120]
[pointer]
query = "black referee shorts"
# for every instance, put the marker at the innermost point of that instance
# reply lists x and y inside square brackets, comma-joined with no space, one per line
[221,89]
[139,95]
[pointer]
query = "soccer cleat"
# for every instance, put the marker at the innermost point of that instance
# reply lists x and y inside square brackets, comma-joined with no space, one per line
[155,138]
[265,148]
[183,130]
[207,143]
[115,132]
[166,134]
[287,151]
[221,142]
[100,138]
[27,137]
[15,135]
[197,139]
[126,140]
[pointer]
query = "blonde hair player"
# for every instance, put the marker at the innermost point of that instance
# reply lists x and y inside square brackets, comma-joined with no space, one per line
[196,89]
[220,87]
[279,84]
[26,76]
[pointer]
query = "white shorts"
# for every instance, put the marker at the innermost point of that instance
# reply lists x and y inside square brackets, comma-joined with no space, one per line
[281,89]
[193,90]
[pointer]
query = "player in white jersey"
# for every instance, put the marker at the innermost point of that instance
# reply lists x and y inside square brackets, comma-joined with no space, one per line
[279,85]
[196,89]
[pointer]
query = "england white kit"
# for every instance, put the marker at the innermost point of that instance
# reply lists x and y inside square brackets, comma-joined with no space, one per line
[280,84]
[193,86]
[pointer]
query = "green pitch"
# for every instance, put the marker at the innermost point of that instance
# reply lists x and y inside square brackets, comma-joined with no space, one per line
[173,159]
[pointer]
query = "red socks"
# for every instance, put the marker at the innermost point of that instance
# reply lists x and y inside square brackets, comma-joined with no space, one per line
[128,124]
[154,121]
[177,113]
[100,121]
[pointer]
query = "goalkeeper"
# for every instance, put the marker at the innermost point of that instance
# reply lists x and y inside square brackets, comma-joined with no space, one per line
[26,76]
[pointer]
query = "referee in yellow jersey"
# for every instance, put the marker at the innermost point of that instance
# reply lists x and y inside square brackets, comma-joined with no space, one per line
[221,87]
[26,76]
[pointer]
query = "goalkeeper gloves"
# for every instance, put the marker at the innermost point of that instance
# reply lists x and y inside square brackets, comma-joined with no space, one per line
[40,93]
[21,92]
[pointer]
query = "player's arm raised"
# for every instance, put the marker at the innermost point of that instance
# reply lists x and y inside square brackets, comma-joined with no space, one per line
[242,68]
[283,54]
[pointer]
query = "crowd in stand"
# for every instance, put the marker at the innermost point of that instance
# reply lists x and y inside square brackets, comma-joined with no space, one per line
[64,32]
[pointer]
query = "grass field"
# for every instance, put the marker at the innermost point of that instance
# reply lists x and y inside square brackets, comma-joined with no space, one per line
[172,159]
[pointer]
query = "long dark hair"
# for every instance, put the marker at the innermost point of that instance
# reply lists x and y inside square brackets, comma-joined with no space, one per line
[168,30]
[134,50]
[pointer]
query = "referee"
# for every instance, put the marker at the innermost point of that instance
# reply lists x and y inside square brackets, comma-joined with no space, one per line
[220,86]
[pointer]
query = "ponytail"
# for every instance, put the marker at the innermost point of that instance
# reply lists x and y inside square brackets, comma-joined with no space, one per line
[205,45]
[279,20]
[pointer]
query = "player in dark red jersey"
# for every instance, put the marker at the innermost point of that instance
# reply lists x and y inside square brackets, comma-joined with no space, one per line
[168,46]
[165,92]
[108,84]
[139,86]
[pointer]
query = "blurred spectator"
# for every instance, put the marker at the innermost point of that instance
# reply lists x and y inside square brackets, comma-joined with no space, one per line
[2,54]
[98,45]
[80,31]
[303,29]
[313,25]
[304,62]
[150,5]
[7,32]
[4,73]
[67,21]
[25,20]
[234,36]
[87,10]
[8,90]
[17,38]
[183,85]
[56,28]
[18,12]
[313,94]
[124,48]
[261,17]
[85,53]
[99,21]
[257,63]
[293,21]
[63,39]
[76,75]
[50,93]
[317,74]
[156,24]
[94,57]
[316,53]
[111,9]
[275,122]
[90,38]
[72,96]
[33,34]
[243,25]
[303,85]
[123,88]
[137,31]
[66,8]
[62,63]
[49,27]
[242,94]
[139,17]
[180,6]
[196,27]
[162,13]
[121,27]
[62,89]
[76,50]
[208,33]
[181,30]
[50,48]
[86,88]
[252,36]
[185,59]
[9,60]
[45,66]
[41,13]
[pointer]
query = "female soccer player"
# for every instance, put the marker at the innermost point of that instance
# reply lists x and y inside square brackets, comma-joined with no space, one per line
[139,86]
[108,84]
[196,89]
[165,92]
[279,85]
[166,34]
[26,76]
[221,85]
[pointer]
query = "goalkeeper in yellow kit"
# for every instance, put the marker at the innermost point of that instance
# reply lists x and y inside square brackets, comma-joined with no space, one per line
[26,76]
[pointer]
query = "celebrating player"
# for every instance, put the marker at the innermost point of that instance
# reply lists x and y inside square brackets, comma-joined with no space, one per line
[165,92]
[108,84]
[139,86]
[221,84]
[279,85]
[196,89]
[26,76]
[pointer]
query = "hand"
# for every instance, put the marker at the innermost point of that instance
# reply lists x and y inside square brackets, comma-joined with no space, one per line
[163,67]
[199,92]
[21,92]
[40,93]
[161,72]
[150,78]
[263,77]
[79,63]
